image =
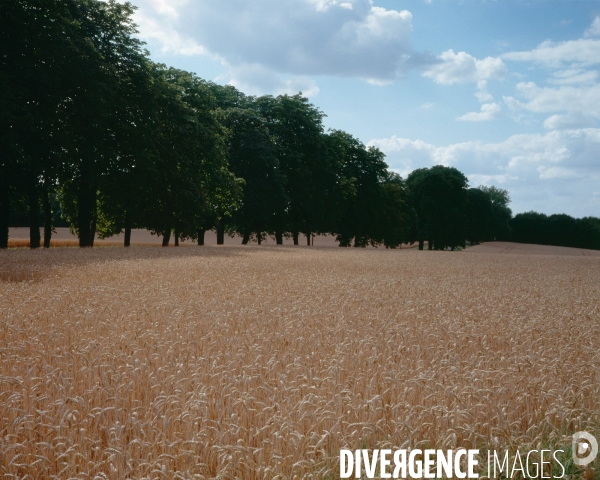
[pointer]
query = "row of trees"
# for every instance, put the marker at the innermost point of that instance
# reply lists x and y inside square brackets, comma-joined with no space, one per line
[448,212]
[122,143]
[89,125]
[560,230]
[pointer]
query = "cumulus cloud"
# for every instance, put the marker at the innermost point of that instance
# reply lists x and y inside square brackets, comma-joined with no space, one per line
[538,169]
[165,35]
[478,179]
[255,80]
[573,92]
[568,122]
[583,100]
[406,155]
[482,94]
[461,67]
[489,111]
[583,52]
[573,76]
[594,30]
[350,38]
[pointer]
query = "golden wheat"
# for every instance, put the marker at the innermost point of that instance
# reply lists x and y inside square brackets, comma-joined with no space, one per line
[251,363]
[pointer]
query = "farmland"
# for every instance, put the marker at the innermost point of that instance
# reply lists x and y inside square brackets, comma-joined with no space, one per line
[262,362]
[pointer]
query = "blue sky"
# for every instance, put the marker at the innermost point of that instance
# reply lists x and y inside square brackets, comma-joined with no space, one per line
[506,91]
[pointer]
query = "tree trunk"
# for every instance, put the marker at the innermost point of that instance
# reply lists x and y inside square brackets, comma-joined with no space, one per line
[127,241]
[176,238]
[421,244]
[430,244]
[93,230]
[201,232]
[245,239]
[47,218]
[259,237]
[166,237]
[86,212]
[295,237]
[308,235]
[34,218]
[279,238]
[220,231]
[4,215]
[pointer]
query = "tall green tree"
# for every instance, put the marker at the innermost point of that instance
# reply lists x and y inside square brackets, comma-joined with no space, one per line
[438,195]
[395,214]
[501,213]
[189,177]
[252,157]
[297,127]
[122,192]
[106,56]
[361,173]
[480,216]
[36,49]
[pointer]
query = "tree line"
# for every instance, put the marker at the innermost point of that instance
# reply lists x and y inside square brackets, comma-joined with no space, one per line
[93,130]
[560,230]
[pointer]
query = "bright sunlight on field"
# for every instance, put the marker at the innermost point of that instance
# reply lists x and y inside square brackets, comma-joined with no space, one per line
[263,362]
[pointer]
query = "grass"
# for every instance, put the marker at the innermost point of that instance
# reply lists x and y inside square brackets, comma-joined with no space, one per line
[233,362]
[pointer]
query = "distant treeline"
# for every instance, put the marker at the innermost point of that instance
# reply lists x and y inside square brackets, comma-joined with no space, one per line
[96,136]
[561,230]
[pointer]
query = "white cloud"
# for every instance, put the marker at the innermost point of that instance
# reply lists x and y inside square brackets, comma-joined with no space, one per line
[594,30]
[539,170]
[427,106]
[584,100]
[489,111]
[461,67]
[478,179]
[548,173]
[169,39]
[482,94]
[573,76]
[168,8]
[405,154]
[568,122]
[255,80]
[322,5]
[350,38]
[581,52]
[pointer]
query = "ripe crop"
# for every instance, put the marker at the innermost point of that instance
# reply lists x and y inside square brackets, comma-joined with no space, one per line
[263,362]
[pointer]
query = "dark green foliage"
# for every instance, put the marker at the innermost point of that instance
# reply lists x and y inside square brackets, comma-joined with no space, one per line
[560,230]
[438,195]
[187,171]
[501,214]
[395,215]
[297,129]
[368,202]
[251,154]
[480,216]
[87,120]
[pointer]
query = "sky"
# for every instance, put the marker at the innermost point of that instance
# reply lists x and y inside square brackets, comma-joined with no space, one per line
[507,91]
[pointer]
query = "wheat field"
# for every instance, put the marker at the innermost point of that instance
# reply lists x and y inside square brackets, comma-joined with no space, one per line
[262,362]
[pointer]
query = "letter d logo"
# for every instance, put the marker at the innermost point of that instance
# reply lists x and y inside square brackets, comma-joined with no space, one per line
[585,449]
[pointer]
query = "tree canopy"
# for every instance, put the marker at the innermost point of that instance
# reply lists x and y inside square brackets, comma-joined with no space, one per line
[95,134]
[438,195]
